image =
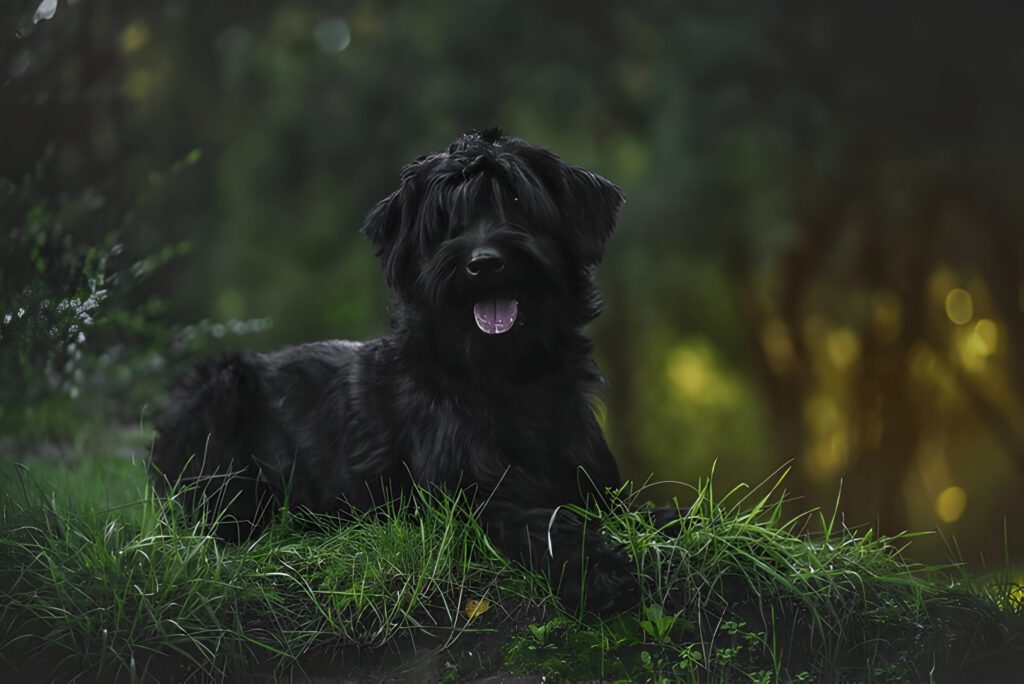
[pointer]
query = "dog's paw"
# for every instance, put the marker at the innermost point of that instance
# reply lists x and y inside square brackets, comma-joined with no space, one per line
[612,588]
[605,584]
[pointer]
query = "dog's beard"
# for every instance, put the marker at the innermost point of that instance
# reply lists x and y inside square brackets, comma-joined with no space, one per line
[465,336]
[512,325]
[492,308]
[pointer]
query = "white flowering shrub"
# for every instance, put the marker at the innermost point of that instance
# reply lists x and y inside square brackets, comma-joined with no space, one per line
[73,326]
[83,335]
[54,279]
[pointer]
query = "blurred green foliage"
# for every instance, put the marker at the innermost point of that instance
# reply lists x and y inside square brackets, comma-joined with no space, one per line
[820,259]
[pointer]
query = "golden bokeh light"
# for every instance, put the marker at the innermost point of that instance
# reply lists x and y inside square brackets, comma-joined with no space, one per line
[950,504]
[829,456]
[696,377]
[828,452]
[927,367]
[986,332]
[139,83]
[959,306]
[822,414]
[134,37]
[778,346]
[978,344]
[843,347]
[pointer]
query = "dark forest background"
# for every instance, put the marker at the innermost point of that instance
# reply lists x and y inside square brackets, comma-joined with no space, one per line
[819,262]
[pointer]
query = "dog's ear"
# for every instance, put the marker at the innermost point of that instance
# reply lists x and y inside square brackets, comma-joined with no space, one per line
[383,226]
[591,211]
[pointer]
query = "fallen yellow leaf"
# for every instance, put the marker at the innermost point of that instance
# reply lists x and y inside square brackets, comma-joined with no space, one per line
[477,607]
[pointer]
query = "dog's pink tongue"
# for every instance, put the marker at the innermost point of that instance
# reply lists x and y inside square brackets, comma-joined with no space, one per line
[496,316]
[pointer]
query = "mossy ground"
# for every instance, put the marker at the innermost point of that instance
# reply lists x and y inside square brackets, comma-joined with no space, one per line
[99,577]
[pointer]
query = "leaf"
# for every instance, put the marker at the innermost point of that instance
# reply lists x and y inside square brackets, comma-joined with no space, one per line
[477,607]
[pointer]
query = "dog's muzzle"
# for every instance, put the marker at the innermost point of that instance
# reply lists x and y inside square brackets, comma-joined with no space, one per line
[494,316]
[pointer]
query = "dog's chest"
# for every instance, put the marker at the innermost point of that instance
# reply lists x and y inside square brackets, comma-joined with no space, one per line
[463,440]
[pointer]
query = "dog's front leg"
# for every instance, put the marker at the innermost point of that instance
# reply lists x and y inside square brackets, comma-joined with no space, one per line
[585,569]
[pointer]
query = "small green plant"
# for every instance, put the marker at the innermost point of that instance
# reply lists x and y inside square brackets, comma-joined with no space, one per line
[689,658]
[543,634]
[657,625]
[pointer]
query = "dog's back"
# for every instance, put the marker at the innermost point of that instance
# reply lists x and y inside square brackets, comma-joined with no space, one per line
[204,446]
[251,432]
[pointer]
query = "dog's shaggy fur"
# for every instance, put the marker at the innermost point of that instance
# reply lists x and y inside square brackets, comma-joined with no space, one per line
[485,384]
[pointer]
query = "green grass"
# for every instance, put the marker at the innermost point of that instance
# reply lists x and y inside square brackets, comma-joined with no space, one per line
[95,575]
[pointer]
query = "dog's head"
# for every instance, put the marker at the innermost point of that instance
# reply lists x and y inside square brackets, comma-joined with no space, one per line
[491,248]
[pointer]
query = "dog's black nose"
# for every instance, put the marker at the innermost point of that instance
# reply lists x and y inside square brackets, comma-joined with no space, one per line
[485,261]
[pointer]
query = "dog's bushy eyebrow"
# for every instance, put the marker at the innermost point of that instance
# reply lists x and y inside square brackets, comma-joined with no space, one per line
[452,191]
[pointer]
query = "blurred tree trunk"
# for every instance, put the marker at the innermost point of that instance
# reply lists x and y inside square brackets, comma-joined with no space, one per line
[787,387]
[613,339]
[1004,267]
[785,390]
[881,389]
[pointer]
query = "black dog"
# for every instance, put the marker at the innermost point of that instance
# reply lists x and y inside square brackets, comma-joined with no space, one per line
[485,384]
